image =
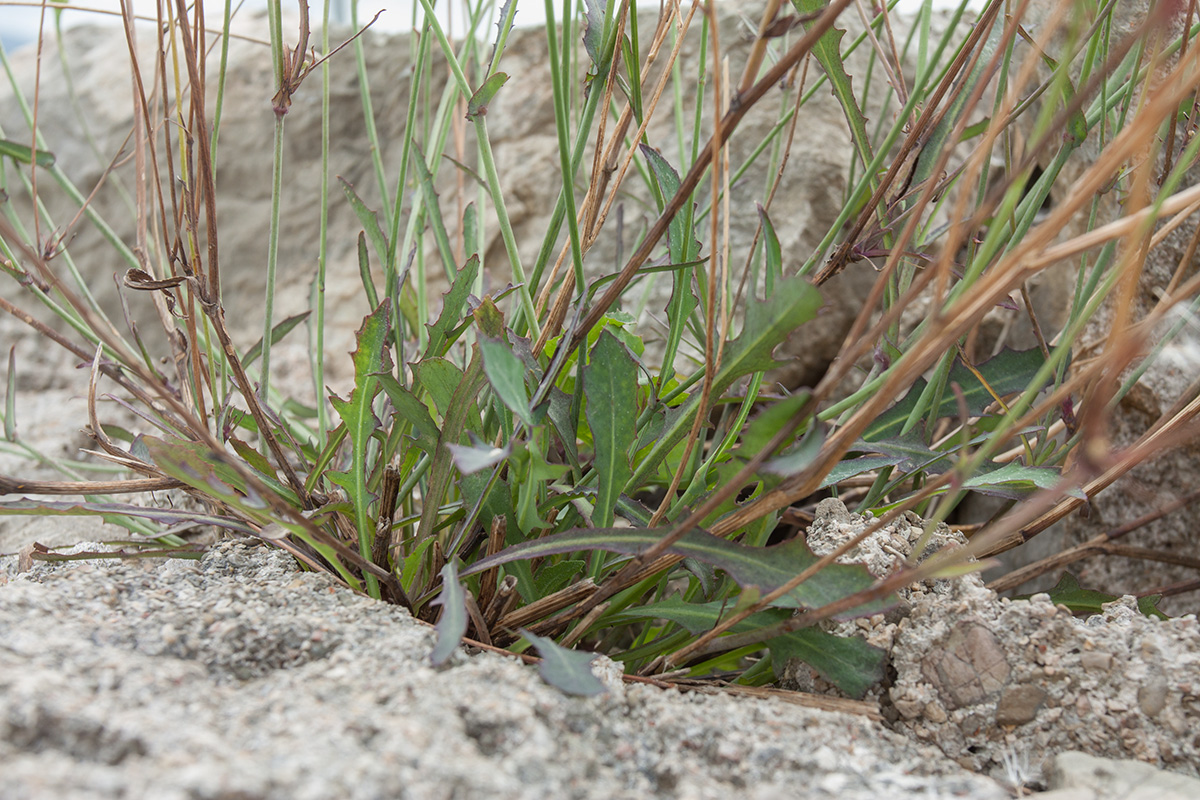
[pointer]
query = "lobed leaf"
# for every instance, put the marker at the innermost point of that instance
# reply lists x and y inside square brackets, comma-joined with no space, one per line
[610,387]
[453,303]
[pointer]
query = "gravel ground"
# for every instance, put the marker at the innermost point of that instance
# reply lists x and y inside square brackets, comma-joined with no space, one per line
[236,676]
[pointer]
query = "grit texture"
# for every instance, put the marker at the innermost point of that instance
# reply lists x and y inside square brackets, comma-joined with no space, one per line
[237,676]
[1003,685]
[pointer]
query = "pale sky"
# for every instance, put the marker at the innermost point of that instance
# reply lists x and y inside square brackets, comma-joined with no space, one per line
[19,18]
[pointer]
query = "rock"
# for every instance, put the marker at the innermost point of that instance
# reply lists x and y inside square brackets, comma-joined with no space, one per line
[236,675]
[521,129]
[1079,776]
[990,679]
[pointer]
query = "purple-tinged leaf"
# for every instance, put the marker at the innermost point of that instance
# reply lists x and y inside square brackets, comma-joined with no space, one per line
[767,568]
[700,617]
[165,516]
[568,670]
[371,358]
[10,397]
[453,624]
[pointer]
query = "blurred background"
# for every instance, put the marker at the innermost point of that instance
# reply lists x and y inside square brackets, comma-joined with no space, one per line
[20,19]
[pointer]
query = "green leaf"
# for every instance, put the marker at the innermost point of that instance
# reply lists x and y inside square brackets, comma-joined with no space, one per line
[552,577]
[1016,481]
[24,154]
[593,29]
[1009,372]
[1069,593]
[567,670]
[213,475]
[413,411]
[368,219]
[774,254]
[699,617]
[477,107]
[433,212]
[506,374]
[439,377]
[489,319]
[767,568]
[797,457]
[794,302]
[668,180]
[849,663]
[453,303]
[371,359]
[562,420]
[460,407]
[610,386]
[760,430]
[767,325]
[453,624]
[683,300]
[10,397]
[364,272]
[828,53]
[254,352]
[255,459]
[196,466]
[855,466]
[498,502]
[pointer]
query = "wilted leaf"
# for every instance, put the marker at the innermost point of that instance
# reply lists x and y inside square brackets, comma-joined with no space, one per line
[478,456]
[568,670]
